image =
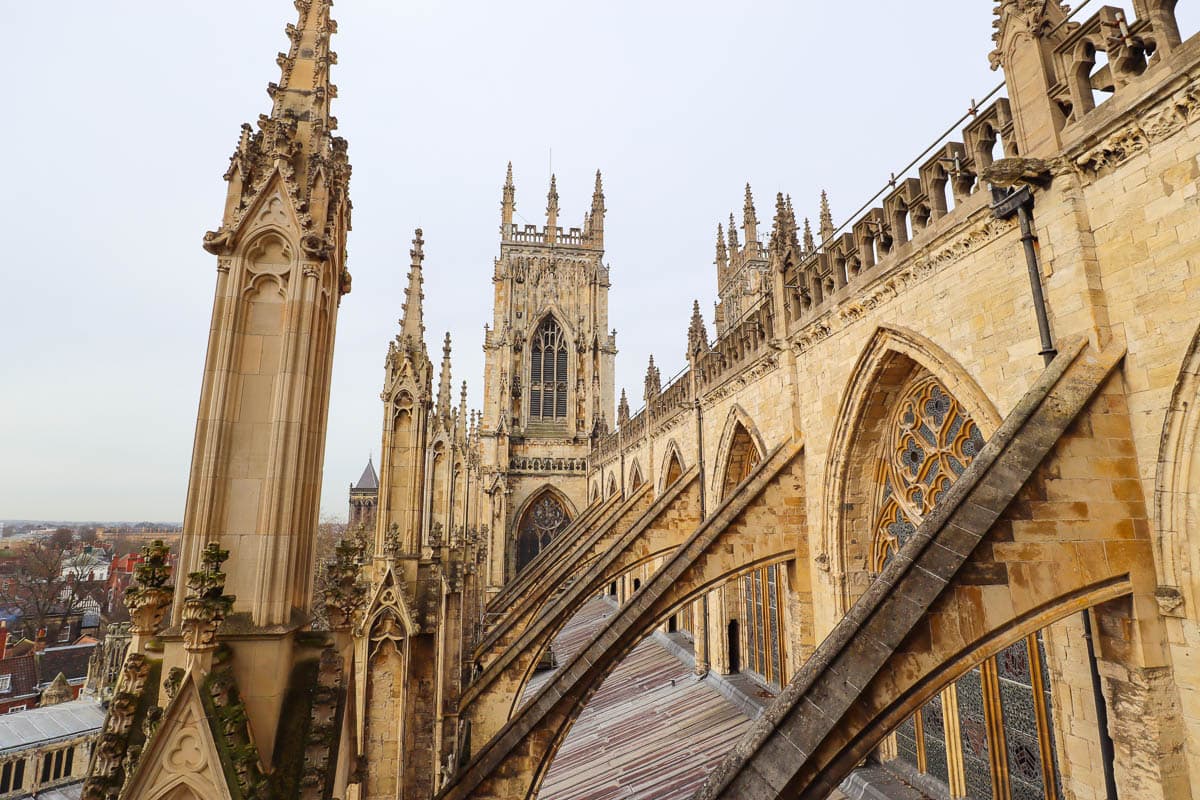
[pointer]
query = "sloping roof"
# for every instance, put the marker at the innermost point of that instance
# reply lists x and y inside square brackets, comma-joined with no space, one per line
[24,675]
[652,730]
[369,481]
[27,729]
[72,661]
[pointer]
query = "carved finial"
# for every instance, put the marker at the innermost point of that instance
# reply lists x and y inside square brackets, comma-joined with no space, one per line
[552,211]
[507,203]
[809,244]
[734,246]
[412,320]
[149,597]
[205,607]
[623,411]
[825,221]
[345,590]
[749,218]
[697,332]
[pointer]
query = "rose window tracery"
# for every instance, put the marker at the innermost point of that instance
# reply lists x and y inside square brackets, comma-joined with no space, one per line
[929,441]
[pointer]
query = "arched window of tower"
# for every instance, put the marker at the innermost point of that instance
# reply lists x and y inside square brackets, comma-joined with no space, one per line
[548,372]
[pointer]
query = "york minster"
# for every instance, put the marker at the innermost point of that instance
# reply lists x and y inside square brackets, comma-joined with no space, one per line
[909,508]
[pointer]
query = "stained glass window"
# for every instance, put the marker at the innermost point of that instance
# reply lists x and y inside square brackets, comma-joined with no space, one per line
[972,727]
[545,518]
[762,631]
[930,439]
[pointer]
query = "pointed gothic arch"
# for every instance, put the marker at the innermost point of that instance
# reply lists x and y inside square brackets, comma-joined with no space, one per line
[741,449]
[549,370]
[897,370]
[635,476]
[672,468]
[612,485]
[545,514]
[1177,493]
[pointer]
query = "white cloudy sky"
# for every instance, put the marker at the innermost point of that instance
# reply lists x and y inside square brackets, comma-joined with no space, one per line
[122,115]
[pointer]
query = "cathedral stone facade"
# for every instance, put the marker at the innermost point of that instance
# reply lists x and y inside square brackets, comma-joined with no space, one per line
[921,516]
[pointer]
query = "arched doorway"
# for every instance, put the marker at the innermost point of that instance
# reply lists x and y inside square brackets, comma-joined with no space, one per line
[544,518]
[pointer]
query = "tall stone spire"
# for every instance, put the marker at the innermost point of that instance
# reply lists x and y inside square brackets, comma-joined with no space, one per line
[749,218]
[697,333]
[552,211]
[443,398]
[595,219]
[412,321]
[508,203]
[826,219]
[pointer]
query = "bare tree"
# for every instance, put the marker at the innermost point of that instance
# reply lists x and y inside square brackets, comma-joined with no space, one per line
[41,585]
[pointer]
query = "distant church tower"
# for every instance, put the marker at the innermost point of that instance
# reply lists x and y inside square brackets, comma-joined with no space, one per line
[364,500]
[548,377]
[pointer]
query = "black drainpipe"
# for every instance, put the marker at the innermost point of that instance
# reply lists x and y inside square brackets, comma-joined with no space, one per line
[1020,202]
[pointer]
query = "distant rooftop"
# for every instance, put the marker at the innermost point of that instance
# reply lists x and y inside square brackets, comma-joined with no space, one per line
[26,730]
[369,481]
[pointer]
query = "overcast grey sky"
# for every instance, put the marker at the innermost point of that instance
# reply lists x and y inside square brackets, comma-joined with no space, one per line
[122,116]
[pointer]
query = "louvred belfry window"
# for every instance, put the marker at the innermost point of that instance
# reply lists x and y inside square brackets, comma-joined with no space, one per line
[548,372]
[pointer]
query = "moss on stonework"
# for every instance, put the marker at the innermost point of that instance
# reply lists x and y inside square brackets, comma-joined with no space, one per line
[226,716]
[291,737]
[147,703]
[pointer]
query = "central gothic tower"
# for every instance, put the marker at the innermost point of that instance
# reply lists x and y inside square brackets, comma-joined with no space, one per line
[548,381]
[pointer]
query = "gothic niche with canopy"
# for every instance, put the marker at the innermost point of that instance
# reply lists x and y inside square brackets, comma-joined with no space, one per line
[543,520]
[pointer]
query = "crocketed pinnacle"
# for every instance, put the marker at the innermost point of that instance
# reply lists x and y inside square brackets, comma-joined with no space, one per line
[749,218]
[722,256]
[826,219]
[412,320]
[598,195]
[734,247]
[462,409]
[552,207]
[508,202]
[653,381]
[697,333]
[623,410]
[443,399]
[304,92]
[809,244]
[779,235]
